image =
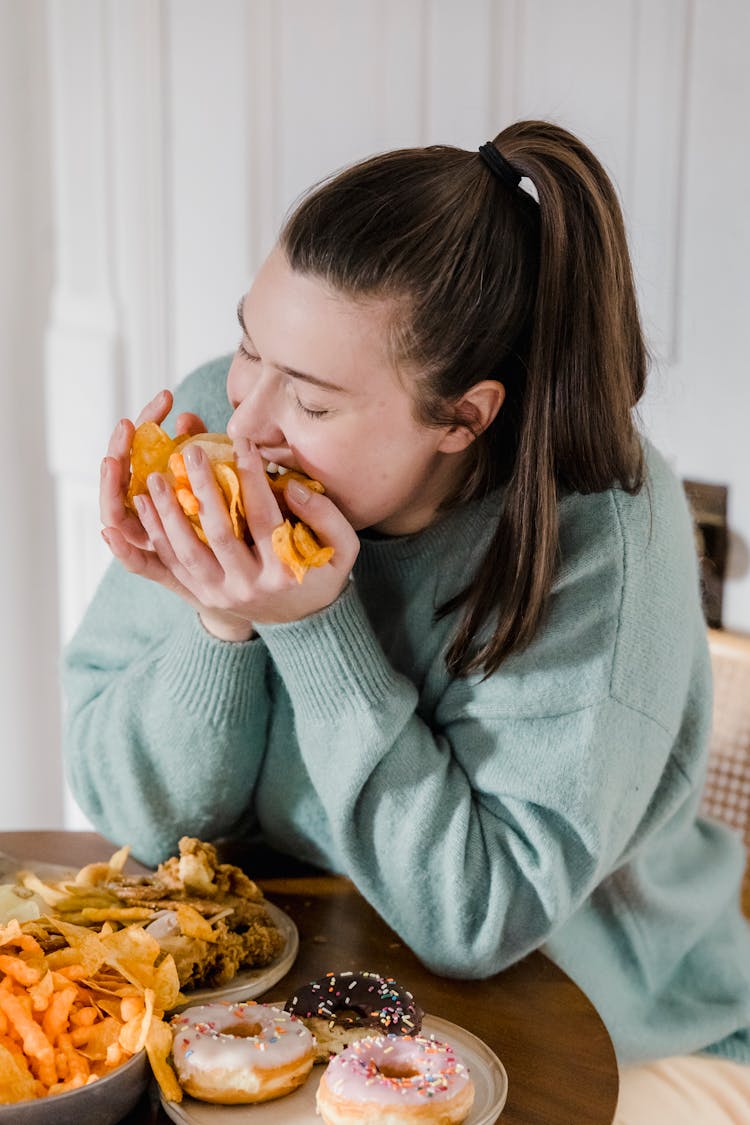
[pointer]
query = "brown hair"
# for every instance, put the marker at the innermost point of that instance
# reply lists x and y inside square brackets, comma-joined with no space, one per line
[492,284]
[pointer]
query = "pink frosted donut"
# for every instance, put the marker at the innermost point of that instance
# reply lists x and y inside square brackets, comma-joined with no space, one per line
[232,1053]
[390,1080]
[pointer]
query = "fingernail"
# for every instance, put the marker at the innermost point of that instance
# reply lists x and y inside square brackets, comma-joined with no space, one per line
[193,456]
[245,452]
[140,504]
[298,491]
[156,484]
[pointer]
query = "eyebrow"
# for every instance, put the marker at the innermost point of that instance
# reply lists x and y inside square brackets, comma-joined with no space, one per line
[314,380]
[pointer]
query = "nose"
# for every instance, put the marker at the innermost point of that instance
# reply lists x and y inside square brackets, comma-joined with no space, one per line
[255,417]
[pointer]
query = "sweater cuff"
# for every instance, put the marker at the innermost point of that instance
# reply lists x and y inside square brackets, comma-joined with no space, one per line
[331,662]
[218,680]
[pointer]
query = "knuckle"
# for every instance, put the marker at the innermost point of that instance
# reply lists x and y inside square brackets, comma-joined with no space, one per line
[243,592]
[134,562]
[223,539]
[191,560]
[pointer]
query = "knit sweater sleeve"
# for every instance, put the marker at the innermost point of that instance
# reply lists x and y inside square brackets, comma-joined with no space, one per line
[477,834]
[165,725]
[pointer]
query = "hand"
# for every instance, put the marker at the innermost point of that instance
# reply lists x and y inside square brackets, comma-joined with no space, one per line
[233,584]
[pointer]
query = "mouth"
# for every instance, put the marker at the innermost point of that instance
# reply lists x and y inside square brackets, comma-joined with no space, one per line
[275,470]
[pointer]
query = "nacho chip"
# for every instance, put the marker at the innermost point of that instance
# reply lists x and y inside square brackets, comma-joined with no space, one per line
[158,1049]
[193,924]
[134,1033]
[150,453]
[282,541]
[296,546]
[308,546]
[229,482]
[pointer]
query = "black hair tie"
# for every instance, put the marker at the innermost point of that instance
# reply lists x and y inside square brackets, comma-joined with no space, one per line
[499,166]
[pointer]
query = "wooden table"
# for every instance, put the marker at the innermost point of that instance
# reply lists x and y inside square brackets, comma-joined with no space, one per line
[559,1058]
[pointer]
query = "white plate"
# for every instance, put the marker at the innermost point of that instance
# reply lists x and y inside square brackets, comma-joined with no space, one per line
[11,866]
[488,1073]
[250,983]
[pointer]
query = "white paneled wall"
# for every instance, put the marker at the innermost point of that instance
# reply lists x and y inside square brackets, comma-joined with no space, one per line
[29,701]
[183,130]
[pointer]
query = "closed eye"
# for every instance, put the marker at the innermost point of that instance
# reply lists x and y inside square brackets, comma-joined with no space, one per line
[308,411]
[242,350]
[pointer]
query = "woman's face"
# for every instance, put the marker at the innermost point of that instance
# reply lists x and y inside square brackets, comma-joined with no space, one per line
[313,386]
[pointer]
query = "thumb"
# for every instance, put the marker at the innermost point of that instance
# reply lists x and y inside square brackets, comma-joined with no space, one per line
[330,526]
[189,424]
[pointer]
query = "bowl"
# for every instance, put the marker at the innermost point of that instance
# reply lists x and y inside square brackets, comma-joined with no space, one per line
[104,1102]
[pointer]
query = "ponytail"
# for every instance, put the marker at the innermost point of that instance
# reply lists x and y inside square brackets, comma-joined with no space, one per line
[585,370]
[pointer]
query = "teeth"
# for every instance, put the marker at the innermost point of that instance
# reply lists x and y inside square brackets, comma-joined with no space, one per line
[272,467]
[280,469]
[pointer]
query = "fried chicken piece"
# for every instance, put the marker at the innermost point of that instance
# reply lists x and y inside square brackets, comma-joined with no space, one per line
[202,964]
[197,870]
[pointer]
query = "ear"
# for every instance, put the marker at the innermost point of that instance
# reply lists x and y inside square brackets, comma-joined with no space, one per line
[477,409]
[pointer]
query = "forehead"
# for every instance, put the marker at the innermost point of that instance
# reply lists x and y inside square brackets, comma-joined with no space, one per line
[300,322]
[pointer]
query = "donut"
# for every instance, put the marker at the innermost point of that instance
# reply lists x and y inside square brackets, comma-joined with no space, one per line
[341,1008]
[232,1053]
[392,1080]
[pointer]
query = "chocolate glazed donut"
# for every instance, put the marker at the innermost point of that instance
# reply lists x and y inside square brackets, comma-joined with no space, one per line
[343,1007]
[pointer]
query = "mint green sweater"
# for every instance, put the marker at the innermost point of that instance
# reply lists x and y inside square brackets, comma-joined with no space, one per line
[551,805]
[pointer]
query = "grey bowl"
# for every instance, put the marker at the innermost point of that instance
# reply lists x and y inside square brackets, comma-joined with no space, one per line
[104,1102]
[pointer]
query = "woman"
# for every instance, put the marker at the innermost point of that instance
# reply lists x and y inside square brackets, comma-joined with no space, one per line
[491,708]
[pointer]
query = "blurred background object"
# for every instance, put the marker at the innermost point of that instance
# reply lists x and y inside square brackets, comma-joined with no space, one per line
[726,794]
[708,504]
[150,150]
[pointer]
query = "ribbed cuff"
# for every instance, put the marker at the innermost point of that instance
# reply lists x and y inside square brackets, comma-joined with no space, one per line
[331,662]
[218,680]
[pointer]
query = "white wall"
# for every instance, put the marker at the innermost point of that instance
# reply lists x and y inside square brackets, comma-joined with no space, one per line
[30,790]
[181,130]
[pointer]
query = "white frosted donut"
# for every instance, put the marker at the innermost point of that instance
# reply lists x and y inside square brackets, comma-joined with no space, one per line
[392,1080]
[232,1053]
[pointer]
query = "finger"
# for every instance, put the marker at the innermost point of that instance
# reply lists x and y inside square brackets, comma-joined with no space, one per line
[261,507]
[112,510]
[188,424]
[118,448]
[157,409]
[216,521]
[154,529]
[144,563]
[112,497]
[331,528]
[196,562]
